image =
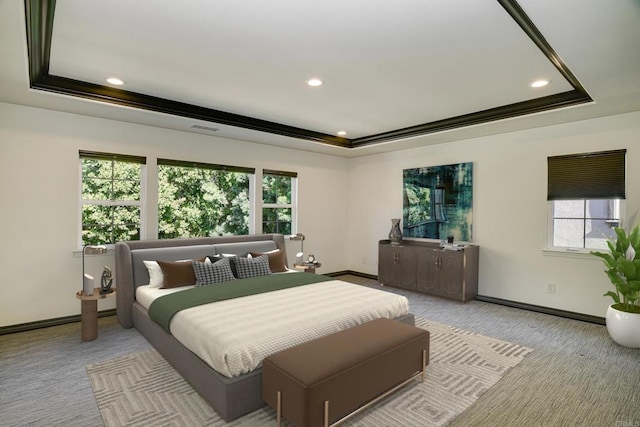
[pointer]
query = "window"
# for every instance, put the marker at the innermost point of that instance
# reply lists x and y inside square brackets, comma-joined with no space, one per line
[278,201]
[585,223]
[585,194]
[200,199]
[112,197]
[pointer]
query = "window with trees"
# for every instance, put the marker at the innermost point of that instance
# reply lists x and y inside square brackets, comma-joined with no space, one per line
[112,197]
[278,201]
[201,199]
[585,194]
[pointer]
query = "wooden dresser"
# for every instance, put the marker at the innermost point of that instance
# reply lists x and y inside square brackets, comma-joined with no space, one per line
[425,267]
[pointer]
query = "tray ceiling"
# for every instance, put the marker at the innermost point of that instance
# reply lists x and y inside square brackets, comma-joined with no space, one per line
[391,71]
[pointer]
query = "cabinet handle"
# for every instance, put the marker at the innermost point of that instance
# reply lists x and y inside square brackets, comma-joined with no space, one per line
[438,263]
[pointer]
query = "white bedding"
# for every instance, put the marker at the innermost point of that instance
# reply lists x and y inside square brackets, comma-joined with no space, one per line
[234,336]
[145,294]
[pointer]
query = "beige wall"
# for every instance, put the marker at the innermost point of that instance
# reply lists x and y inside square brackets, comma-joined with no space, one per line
[41,266]
[39,183]
[509,208]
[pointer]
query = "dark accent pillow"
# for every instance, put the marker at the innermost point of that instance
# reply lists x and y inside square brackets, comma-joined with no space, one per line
[276,260]
[230,257]
[252,267]
[177,274]
[210,273]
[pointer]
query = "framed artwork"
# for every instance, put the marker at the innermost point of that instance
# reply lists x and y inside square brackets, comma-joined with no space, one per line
[438,202]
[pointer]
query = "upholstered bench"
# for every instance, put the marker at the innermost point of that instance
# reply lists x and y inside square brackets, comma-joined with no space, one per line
[324,381]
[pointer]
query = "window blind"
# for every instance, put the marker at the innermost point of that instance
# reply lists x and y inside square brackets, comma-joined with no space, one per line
[211,166]
[599,175]
[110,156]
[280,173]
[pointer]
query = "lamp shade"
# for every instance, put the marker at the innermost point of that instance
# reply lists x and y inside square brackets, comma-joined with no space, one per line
[300,237]
[94,250]
[87,280]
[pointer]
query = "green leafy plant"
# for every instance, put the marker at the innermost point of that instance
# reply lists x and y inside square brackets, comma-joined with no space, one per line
[623,269]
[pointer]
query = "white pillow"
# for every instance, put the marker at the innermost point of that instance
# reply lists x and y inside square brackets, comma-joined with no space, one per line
[156,278]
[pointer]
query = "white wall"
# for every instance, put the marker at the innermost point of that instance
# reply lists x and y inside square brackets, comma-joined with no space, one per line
[41,266]
[509,208]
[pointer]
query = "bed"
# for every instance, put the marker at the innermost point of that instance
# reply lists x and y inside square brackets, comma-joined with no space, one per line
[233,388]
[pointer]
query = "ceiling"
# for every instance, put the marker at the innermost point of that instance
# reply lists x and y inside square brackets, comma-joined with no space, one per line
[396,74]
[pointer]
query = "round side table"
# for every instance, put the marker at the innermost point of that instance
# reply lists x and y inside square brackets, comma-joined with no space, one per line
[308,267]
[89,313]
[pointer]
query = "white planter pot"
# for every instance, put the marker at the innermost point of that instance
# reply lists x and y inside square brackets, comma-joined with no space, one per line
[623,327]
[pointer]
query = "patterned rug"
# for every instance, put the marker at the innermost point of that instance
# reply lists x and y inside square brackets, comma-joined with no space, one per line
[142,389]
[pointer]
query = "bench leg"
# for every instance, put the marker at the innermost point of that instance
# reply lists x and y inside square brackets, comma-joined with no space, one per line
[326,413]
[278,408]
[424,364]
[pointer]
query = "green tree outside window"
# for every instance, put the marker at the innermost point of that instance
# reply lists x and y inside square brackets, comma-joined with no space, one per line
[277,197]
[111,199]
[198,202]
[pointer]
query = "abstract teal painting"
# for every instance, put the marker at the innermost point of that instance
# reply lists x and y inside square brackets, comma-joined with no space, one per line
[438,202]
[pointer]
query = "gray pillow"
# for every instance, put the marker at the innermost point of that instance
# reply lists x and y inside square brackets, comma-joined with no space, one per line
[252,267]
[208,274]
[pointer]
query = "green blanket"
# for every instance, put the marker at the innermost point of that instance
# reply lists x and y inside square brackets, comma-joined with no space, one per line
[163,309]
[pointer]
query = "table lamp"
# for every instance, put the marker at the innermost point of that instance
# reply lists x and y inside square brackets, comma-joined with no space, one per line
[87,280]
[299,255]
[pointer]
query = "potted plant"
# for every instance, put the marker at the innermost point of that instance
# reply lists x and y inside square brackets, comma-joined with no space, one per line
[623,269]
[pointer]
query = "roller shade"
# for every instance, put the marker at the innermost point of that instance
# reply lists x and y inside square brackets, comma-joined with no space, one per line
[211,166]
[598,175]
[280,173]
[110,156]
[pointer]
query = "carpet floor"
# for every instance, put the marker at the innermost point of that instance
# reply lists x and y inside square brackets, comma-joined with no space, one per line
[142,389]
[575,377]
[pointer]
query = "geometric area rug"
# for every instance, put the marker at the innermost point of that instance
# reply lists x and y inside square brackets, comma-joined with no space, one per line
[142,389]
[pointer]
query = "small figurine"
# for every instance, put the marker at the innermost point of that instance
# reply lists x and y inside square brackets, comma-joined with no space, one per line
[106,281]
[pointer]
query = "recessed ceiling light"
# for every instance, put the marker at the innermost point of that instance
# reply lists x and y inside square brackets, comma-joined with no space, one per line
[342,133]
[540,83]
[115,81]
[314,82]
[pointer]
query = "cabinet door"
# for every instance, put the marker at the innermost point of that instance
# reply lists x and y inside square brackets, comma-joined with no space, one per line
[406,267]
[451,274]
[426,271]
[386,265]
[397,266]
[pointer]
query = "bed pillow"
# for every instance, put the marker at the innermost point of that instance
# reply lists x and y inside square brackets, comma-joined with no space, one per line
[210,273]
[156,278]
[155,274]
[252,267]
[177,273]
[276,260]
[229,257]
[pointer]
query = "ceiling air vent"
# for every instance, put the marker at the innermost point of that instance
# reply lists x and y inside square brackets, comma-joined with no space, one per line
[207,128]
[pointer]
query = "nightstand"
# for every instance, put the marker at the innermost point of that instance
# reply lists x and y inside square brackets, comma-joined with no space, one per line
[307,267]
[89,313]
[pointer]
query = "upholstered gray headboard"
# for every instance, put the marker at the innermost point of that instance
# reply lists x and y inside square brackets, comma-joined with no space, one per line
[131,272]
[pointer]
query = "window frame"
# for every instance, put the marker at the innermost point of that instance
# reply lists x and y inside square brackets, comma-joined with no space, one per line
[599,175]
[585,250]
[294,199]
[251,172]
[140,203]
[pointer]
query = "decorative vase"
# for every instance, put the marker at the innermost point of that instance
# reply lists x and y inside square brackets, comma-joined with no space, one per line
[624,327]
[395,235]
